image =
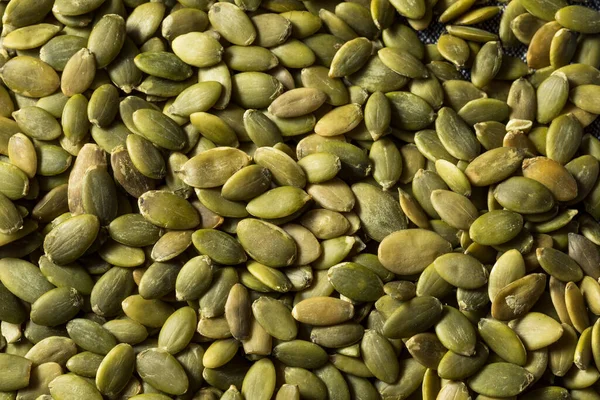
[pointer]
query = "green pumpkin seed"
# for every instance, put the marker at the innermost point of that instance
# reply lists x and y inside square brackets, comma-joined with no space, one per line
[525,195]
[66,386]
[173,379]
[29,76]
[56,306]
[486,381]
[552,96]
[157,207]
[578,18]
[518,297]
[151,313]
[536,330]
[218,246]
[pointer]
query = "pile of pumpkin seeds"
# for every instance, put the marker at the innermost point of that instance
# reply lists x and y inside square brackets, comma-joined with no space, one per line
[298,200]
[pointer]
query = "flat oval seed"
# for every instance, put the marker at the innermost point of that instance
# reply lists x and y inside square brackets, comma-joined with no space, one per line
[412,10]
[171,378]
[516,298]
[247,183]
[355,162]
[56,306]
[115,370]
[69,240]
[456,332]
[320,167]
[110,290]
[110,25]
[318,77]
[178,330]
[90,336]
[482,110]
[278,203]
[455,209]
[487,381]
[259,381]
[380,215]
[496,227]
[552,175]
[255,89]
[249,58]
[536,330]
[322,311]
[214,128]
[339,120]
[219,246]
[194,278]
[379,356]
[159,129]
[579,19]
[196,98]
[11,220]
[57,349]
[271,29]
[69,386]
[29,76]
[552,95]
[266,243]
[163,65]
[152,313]
[145,157]
[167,210]
[387,163]
[66,276]
[461,270]
[30,37]
[403,63]
[299,353]
[575,307]
[355,282]
[455,135]
[285,171]
[494,166]
[524,195]
[275,318]
[414,316]
[419,249]
[79,73]
[232,23]
[213,167]
[502,340]
[297,102]
[410,111]
[198,49]
[350,57]
[585,97]
[37,123]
